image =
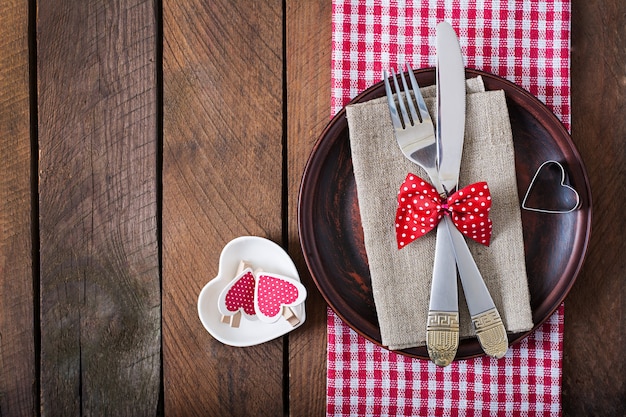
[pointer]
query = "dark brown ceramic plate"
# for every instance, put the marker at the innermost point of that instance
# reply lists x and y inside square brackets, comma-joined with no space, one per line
[332,238]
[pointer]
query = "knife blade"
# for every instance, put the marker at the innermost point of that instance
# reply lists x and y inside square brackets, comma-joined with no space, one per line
[450,75]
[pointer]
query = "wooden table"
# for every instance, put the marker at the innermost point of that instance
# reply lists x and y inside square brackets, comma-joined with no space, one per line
[137,138]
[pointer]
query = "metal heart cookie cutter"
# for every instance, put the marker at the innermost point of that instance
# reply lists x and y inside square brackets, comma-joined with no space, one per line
[533,189]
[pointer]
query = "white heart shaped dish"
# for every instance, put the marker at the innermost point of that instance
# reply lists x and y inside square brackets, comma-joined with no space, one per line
[262,254]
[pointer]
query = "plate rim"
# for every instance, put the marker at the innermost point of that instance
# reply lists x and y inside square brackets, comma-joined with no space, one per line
[532,105]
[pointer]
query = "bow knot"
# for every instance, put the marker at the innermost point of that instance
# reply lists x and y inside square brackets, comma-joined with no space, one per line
[420,209]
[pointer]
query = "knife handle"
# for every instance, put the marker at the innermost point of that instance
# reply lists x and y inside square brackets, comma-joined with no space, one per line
[442,336]
[486,320]
[442,329]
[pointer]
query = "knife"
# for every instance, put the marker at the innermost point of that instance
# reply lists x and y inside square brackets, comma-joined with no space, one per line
[442,328]
[486,320]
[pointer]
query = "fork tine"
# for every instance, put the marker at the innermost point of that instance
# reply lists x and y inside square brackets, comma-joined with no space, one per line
[405,115]
[424,115]
[409,97]
[393,110]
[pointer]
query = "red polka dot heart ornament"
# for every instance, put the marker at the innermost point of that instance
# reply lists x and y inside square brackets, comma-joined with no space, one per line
[241,262]
[275,294]
[238,296]
[420,209]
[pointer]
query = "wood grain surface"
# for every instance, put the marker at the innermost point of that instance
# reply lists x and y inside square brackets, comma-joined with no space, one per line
[222,178]
[17,339]
[137,138]
[594,363]
[99,283]
[308,111]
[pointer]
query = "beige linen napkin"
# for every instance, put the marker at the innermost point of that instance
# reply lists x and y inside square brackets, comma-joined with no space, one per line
[401,278]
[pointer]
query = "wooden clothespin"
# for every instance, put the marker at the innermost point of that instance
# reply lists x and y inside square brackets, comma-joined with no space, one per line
[290,316]
[232,321]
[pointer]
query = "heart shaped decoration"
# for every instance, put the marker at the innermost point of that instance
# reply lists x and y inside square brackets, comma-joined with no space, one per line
[273,293]
[260,254]
[548,191]
[238,295]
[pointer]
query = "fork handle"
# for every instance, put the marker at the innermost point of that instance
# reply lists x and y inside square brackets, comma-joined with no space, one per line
[486,320]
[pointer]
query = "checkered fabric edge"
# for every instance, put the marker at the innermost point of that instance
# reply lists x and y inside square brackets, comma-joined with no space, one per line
[526,42]
[367,380]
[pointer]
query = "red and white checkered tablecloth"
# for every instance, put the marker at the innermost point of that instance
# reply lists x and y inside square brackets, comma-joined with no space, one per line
[527,42]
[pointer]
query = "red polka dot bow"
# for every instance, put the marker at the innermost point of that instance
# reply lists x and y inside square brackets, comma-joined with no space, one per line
[420,209]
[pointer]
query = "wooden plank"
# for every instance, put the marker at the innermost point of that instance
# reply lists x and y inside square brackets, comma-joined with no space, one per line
[17,346]
[100,283]
[222,178]
[308,47]
[595,312]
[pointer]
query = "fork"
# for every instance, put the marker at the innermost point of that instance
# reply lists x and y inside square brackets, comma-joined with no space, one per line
[416,138]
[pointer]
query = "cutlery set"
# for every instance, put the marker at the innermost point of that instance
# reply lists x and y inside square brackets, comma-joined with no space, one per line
[438,151]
